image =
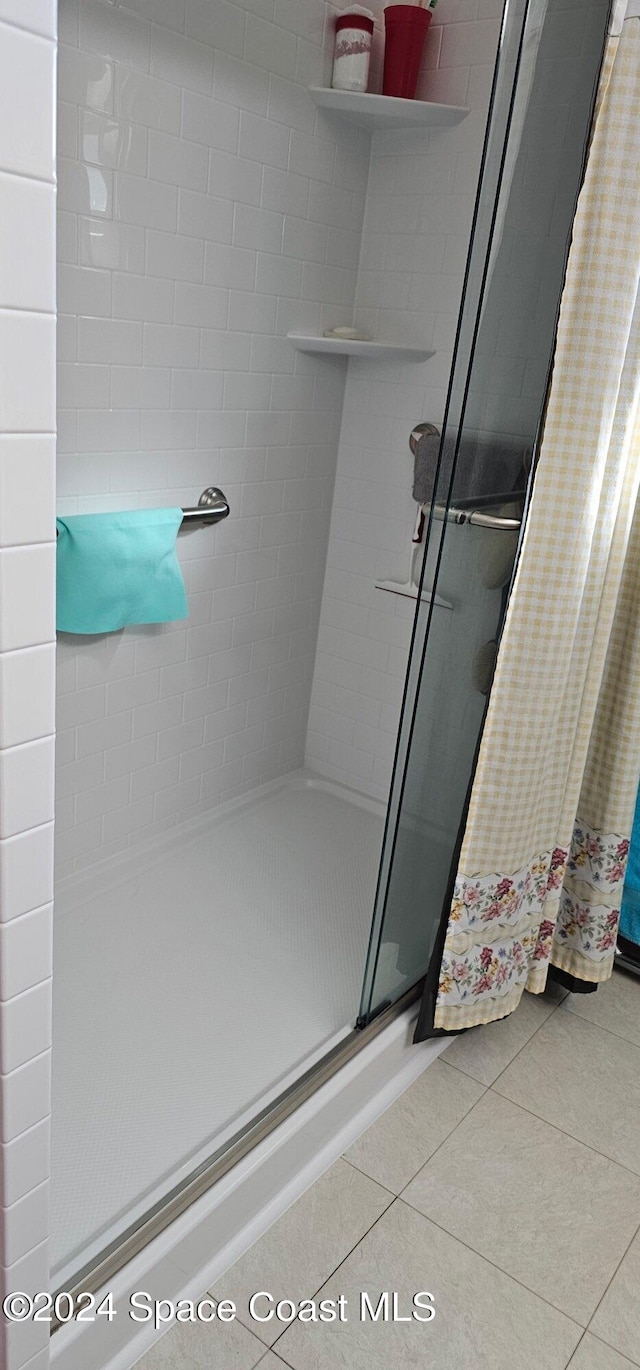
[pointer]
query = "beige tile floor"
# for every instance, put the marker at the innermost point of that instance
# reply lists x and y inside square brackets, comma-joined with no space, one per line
[505,1181]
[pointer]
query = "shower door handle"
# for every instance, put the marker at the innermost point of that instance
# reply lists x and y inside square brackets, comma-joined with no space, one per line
[497,521]
[454,514]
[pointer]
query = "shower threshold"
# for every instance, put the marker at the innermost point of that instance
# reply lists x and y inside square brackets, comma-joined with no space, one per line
[209,970]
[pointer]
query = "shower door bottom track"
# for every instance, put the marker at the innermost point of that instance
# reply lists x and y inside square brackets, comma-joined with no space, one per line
[97,1276]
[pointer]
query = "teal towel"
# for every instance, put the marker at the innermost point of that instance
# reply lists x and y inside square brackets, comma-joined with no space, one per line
[114,569]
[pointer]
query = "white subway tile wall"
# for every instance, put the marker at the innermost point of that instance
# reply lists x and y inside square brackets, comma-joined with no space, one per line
[27,652]
[203,212]
[208,211]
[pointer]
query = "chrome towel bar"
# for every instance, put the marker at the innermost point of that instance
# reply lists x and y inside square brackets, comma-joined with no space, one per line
[211,507]
[472,510]
[455,514]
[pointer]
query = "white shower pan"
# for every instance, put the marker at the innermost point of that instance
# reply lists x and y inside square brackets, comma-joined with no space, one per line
[207,971]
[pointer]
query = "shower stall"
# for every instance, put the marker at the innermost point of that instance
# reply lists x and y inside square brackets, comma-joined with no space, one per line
[258,807]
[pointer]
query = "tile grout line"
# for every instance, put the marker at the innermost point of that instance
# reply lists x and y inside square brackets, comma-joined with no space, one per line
[487,1259]
[600,1301]
[599,1027]
[545,1020]
[596,1337]
[277,1357]
[526,1044]
[492,1086]
[393,1199]
[619,1036]
[444,1140]
[575,1350]
[563,1131]
[485,1090]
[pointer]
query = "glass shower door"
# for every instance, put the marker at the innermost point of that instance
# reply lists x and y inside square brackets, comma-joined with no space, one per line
[532,168]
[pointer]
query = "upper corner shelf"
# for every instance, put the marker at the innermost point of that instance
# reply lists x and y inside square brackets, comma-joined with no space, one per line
[385,111]
[359,347]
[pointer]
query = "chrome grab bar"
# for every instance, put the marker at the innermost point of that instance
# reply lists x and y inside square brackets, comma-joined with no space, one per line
[456,513]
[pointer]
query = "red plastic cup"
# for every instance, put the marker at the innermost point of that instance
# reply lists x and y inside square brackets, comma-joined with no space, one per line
[406,29]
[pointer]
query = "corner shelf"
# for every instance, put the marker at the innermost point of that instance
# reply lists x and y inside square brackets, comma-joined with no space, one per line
[385,111]
[356,347]
[411,592]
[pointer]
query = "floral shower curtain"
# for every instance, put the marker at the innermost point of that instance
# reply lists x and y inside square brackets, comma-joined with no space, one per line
[543,857]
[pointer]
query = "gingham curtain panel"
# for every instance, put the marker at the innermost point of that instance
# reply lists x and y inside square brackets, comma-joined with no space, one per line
[544,852]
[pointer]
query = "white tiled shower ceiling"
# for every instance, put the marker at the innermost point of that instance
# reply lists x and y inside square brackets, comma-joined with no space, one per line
[205,210]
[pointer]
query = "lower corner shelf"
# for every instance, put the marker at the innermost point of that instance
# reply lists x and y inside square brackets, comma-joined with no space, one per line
[410,591]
